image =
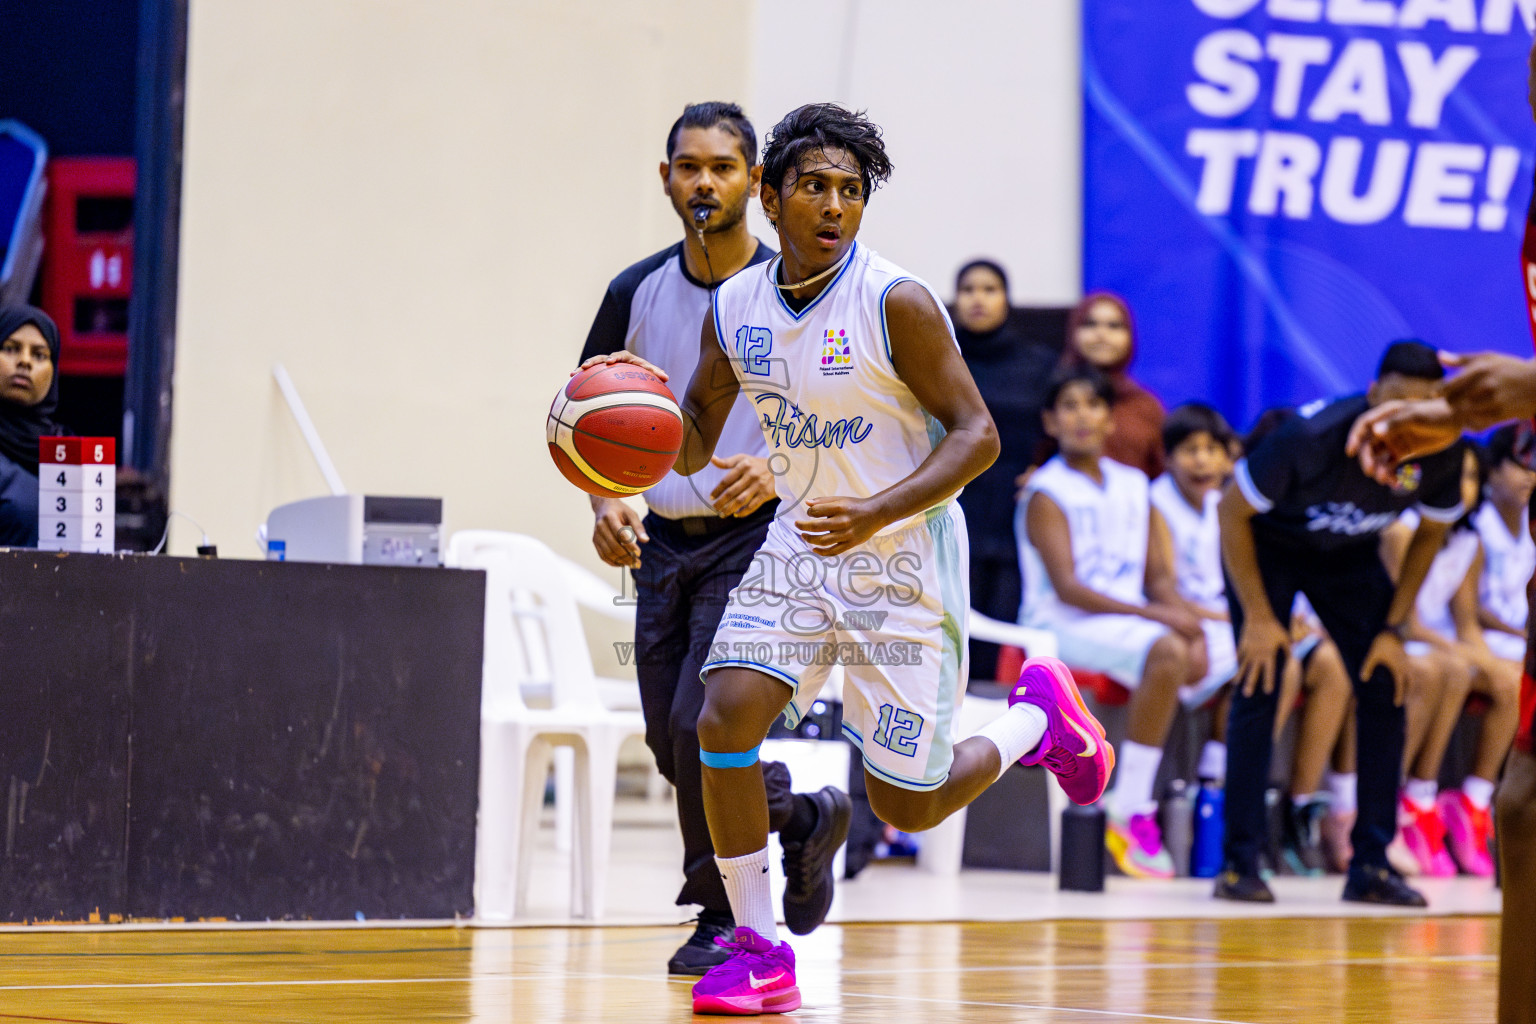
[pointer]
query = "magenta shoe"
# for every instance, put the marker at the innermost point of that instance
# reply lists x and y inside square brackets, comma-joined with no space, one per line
[759,977]
[1074,747]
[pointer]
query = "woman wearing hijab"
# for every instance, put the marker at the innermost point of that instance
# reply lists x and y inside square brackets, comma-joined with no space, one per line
[29,392]
[1101,334]
[1011,366]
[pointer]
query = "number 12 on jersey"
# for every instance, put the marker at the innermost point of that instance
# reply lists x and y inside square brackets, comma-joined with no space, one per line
[898,730]
[753,345]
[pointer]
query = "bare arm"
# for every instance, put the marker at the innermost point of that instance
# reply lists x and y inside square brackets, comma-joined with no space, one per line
[1465,611]
[1161,582]
[711,394]
[1262,636]
[928,362]
[1428,538]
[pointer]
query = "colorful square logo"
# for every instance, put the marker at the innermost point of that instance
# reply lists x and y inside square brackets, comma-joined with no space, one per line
[836,351]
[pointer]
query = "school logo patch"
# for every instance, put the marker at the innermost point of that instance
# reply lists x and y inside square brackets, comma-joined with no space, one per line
[1409,474]
[836,353]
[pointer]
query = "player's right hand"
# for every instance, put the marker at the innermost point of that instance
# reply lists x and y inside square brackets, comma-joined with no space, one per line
[1385,436]
[620,357]
[1261,640]
[618,533]
[1489,388]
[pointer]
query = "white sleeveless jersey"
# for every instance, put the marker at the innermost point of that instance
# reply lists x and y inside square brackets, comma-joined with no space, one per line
[837,418]
[1508,562]
[1196,544]
[1445,576]
[1109,537]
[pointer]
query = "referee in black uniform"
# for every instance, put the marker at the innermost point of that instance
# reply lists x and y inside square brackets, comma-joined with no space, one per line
[701,532]
[1301,515]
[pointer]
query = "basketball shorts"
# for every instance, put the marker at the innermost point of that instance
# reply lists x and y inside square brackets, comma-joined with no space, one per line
[892,612]
[1113,645]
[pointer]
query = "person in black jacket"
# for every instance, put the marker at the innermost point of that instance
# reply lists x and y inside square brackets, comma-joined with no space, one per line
[1302,517]
[1012,366]
[29,392]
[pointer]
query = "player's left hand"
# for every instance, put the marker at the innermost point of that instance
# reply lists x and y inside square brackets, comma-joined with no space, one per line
[1490,388]
[746,485]
[1386,435]
[838,524]
[1387,652]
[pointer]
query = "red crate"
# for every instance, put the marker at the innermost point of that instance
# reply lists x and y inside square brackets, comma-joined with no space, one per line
[88,261]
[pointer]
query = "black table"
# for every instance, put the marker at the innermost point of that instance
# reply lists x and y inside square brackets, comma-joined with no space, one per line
[206,739]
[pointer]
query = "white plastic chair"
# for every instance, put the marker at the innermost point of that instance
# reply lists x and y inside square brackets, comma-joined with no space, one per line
[533,636]
[941,848]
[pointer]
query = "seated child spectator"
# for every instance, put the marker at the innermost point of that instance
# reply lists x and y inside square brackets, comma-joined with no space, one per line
[1092,578]
[1509,554]
[1448,658]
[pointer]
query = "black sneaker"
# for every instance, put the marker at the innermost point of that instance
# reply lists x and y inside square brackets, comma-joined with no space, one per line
[1232,884]
[700,953]
[1301,845]
[1381,885]
[808,865]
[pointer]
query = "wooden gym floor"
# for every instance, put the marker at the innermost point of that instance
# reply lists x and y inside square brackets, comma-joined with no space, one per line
[1274,971]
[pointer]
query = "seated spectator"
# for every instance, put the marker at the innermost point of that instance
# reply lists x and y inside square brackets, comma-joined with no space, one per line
[1011,366]
[29,392]
[1199,444]
[1509,554]
[1101,334]
[1448,658]
[1093,579]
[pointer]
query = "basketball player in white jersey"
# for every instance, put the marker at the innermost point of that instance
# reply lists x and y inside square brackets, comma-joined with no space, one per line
[875,425]
[1509,554]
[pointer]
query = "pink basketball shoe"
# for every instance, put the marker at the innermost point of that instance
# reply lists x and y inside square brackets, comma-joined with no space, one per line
[1073,748]
[759,977]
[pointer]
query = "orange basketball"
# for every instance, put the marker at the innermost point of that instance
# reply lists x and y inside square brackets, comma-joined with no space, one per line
[614,429]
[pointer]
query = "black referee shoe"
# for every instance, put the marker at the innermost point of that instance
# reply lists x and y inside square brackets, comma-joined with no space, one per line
[808,864]
[1381,885]
[1232,884]
[700,953]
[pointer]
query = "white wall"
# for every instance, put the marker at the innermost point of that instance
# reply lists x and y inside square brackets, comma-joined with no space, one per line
[981,106]
[415,205]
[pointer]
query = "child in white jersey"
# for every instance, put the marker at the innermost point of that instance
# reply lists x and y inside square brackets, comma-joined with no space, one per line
[1449,657]
[1095,577]
[1509,554]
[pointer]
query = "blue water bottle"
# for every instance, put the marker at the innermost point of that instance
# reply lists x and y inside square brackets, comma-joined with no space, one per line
[1210,831]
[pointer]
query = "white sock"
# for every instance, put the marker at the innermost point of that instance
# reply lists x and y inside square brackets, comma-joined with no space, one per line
[1422,792]
[1479,791]
[1213,761]
[746,886]
[1341,786]
[1015,733]
[1135,775]
[1302,799]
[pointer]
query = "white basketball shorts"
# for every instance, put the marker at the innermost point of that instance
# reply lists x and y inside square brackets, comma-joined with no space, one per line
[892,612]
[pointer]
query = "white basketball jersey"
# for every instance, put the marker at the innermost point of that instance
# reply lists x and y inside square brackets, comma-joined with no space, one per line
[1445,576]
[1196,543]
[1109,537]
[1508,562]
[837,418]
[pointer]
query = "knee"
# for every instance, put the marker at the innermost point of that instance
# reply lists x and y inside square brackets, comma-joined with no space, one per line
[727,722]
[906,815]
[1171,650]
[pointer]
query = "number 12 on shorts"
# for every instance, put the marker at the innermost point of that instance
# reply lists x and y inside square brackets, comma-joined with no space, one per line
[898,730]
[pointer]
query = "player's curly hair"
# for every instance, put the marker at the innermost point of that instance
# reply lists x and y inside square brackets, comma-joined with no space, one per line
[824,126]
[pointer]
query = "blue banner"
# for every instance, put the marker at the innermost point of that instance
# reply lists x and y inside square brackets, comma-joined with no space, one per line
[1281,187]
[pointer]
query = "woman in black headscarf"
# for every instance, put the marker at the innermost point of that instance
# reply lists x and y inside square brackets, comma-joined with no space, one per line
[1012,365]
[29,392]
